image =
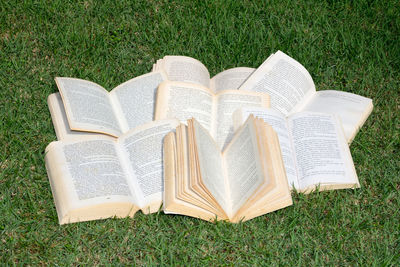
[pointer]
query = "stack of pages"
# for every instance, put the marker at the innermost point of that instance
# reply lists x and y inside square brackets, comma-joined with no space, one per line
[230,147]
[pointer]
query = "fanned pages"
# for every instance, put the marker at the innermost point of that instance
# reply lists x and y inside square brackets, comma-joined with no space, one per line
[214,111]
[89,107]
[187,69]
[99,177]
[292,90]
[314,149]
[246,180]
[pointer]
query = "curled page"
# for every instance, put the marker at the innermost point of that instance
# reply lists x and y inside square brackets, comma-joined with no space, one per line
[230,79]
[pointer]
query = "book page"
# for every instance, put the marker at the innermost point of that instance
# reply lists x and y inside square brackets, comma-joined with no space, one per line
[183,101]
[211,167]
[59,119]
[243,166]
[321,152]
[287,82]
[172,204]
[185,169]
[186,69]
[227,102]
[136,99]
[230,79]
[279,124]
[143,152]
[173,200]
[88,106]
[274,193]
[95,170]
[83,188]
[352,109]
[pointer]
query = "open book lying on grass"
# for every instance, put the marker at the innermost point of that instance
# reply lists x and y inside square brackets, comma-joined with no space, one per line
[246,180]
[96,177]
[184,100]
[90,107]
[314,148]
[187,69]
[292,89]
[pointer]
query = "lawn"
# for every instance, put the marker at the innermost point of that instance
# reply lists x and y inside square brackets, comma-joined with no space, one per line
[348,45]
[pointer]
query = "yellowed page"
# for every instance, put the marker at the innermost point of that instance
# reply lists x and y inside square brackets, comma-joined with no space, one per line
[172,204]
[195,176]
[183,169]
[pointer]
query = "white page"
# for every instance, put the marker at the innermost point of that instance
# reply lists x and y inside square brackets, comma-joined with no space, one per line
[184,101]
[352,109]
[287,82]
[321,152]
[211,168]
[278,122]
[142,148]
[60,122]
[135,99]
[94,171]
[88,106]
[186,69]
[227,102]
[230,79]
[243,166]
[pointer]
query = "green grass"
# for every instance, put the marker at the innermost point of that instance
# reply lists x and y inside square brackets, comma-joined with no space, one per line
[349,45]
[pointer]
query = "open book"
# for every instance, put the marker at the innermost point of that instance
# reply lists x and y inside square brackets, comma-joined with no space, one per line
[187,69]
[90,107]
[246,180]
[314,148]
[183,101]
[292,89]
[100,176]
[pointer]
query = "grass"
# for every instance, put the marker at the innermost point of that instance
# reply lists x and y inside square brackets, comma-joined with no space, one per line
[346,45]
